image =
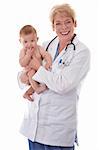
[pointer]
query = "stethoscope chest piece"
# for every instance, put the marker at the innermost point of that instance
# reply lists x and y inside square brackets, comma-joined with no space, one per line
[67,57]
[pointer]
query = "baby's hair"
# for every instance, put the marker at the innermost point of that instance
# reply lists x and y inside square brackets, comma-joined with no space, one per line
[27,29]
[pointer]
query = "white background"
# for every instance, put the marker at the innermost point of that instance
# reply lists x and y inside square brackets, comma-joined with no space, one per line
[15,14]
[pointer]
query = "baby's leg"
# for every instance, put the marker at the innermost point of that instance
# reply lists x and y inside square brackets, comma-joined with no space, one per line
[38,88]
[41,88]
[28,94]
[33,83]
[24,78]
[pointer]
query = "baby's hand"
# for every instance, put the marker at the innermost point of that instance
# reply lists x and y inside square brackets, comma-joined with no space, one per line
[29,51]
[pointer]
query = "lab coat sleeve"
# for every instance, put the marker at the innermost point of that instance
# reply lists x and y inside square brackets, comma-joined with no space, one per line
[69,77]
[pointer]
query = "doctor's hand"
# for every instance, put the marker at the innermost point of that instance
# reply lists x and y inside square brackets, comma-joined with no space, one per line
[48,66]
[34,63]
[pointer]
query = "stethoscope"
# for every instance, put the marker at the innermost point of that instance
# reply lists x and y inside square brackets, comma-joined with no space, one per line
[69,48]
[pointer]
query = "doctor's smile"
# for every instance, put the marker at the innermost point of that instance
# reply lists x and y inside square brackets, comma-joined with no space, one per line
[64,33]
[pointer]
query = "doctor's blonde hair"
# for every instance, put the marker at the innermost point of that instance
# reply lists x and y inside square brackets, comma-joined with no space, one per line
[59,9]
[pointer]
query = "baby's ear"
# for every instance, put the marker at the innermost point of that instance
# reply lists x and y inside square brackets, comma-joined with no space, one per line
[20,40]
[37,38]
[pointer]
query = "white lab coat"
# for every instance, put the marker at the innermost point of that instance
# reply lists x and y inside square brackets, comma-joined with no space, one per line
[52,118]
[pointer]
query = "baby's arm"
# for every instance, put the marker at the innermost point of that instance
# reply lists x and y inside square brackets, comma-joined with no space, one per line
[24,57]
[47,57]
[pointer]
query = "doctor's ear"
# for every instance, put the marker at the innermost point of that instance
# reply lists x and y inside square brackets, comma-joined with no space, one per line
[75,23]
[53,27]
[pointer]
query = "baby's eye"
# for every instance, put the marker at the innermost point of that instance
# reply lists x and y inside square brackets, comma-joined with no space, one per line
[32,40]
[25,41]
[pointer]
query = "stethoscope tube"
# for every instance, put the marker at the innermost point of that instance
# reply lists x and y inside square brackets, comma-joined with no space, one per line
[50,43]
[67,44]
[71,43]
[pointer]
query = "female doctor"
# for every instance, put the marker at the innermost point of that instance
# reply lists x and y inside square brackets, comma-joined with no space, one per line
[51,120]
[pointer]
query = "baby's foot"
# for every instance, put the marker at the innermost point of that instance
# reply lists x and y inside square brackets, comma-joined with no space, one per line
[27,96]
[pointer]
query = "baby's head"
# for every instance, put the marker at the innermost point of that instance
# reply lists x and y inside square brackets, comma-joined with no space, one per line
[28,37]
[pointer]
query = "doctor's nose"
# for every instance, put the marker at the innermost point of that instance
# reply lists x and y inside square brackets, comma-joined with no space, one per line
[64,26]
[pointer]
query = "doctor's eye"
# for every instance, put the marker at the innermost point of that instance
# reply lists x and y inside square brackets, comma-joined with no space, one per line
[68,22]
[57,24]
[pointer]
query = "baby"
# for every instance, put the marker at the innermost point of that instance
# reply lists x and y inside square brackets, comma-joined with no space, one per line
[31,51]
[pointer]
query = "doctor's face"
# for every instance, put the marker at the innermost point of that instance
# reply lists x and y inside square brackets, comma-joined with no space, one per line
[64,26]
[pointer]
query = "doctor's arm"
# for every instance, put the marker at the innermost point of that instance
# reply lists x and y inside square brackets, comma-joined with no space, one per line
[69,77]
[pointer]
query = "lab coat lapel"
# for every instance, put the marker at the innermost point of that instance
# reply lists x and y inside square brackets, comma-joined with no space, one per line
[52,48]
[59,56]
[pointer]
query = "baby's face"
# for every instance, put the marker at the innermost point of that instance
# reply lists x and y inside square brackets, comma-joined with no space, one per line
[29,41]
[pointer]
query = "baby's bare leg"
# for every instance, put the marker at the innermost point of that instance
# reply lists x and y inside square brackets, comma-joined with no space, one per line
[38,88]
[24,78]
[28,94]
[33,83]
[41,88]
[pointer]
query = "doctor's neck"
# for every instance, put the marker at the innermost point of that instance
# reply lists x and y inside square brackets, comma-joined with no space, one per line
[64,42]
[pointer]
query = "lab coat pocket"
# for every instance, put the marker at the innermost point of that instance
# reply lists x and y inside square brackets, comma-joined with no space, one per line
[29,108]
[32,107]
